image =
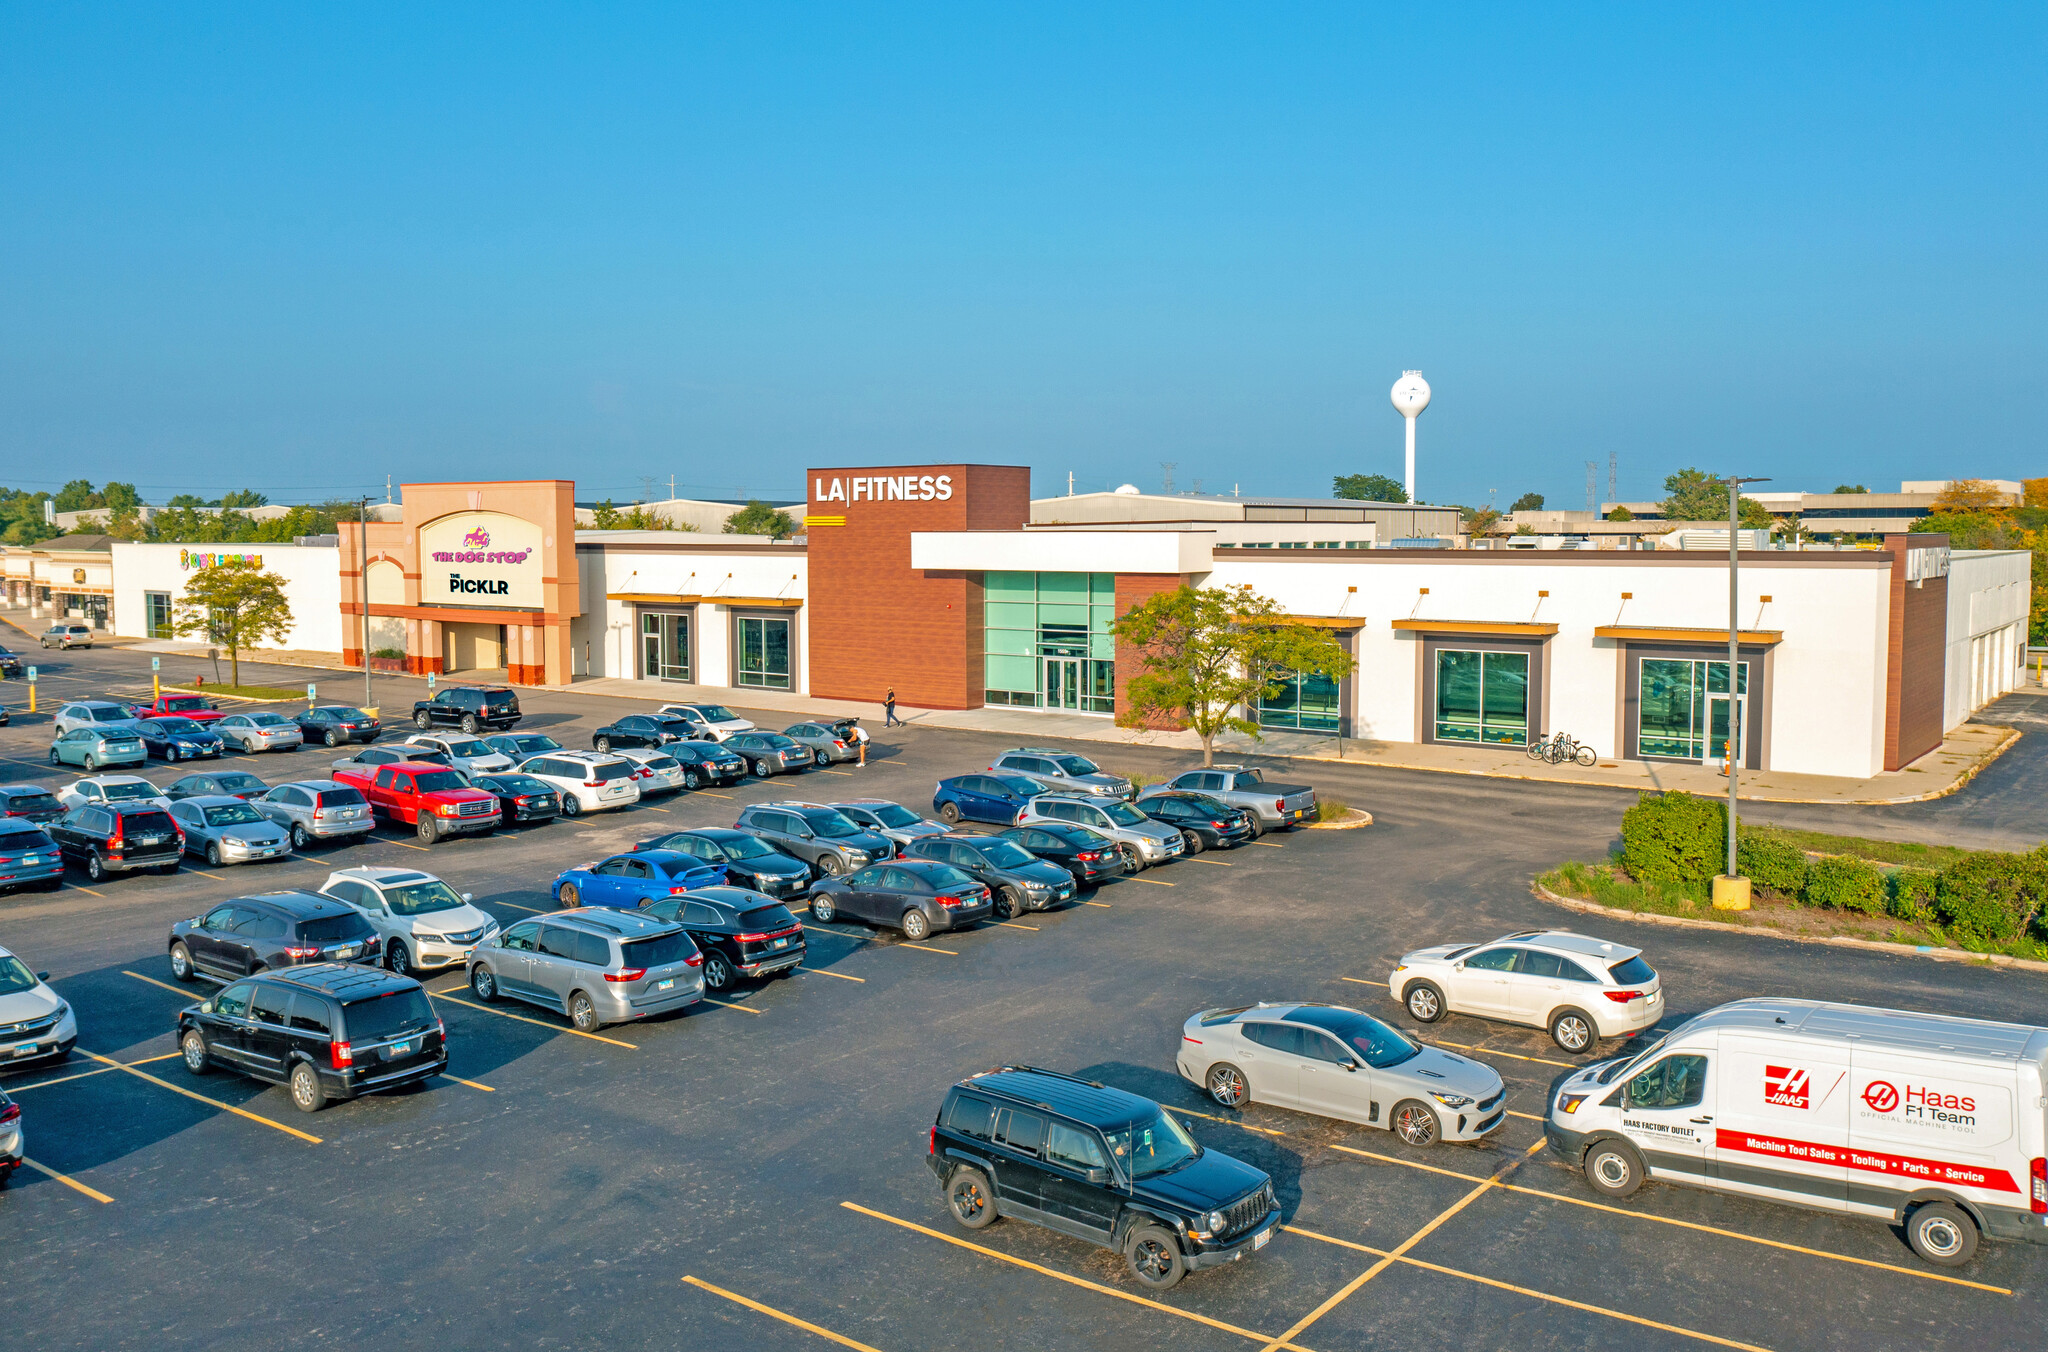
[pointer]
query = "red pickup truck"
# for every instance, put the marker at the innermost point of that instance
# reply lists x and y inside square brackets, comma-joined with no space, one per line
[432,799]
[195,707]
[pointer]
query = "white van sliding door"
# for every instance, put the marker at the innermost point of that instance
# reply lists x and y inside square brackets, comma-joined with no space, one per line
[1783,1120]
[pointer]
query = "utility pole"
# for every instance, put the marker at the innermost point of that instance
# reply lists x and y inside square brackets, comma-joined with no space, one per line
[363,586]
[1611,496]
[1731,892]
[1070,483]
[671,488]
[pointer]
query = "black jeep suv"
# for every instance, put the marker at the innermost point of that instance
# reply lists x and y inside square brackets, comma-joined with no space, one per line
[1098,1164]
[469,707]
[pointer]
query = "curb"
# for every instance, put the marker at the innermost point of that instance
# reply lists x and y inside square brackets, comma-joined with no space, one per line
[1357,819]
[1840,941]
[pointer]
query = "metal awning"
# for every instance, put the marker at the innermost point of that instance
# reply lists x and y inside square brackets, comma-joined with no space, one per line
[1666,633]
[676,599]
[1500,628]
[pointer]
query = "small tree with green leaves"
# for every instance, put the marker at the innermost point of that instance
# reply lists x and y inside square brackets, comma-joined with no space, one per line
[1528,502]
[758,518]
[604,516]
[1369,488]
[1207,655]
[235,604]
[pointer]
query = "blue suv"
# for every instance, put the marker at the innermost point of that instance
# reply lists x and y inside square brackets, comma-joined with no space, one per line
[627,882]
[987,797]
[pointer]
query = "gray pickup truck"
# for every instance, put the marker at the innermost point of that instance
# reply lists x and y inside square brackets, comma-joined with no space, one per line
[1272,806]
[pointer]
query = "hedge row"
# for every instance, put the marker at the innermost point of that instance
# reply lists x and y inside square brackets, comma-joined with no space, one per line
[1677,838]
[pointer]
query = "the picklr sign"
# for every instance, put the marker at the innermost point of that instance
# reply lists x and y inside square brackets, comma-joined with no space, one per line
[481,559]
[884,488]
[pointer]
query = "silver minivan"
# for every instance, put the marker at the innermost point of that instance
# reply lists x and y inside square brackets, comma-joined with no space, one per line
[1154,842]
[594,964]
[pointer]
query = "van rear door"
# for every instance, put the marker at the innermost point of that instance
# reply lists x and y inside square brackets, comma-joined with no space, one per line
[1783,1122]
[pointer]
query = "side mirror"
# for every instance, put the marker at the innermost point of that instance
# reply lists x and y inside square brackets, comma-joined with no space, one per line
[42,976]
[1351,1065]
[469,896]
[1458,967]
[1098,1175]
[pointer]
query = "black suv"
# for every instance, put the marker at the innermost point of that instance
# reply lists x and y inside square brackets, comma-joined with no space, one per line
[469,707]
[1205,823]
[271,929]
[742,933]
[119,838]
[748,860]
[1098,1164]
[329,1031]
[1020,881]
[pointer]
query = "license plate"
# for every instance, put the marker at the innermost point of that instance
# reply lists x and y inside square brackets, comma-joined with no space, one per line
[149,840]
[779,943]
[666,983]
[30,1050]
[400,1049]
[348,952]
[1260,1241]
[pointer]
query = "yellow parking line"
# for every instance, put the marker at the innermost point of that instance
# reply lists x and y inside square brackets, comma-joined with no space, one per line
[929,949]
[530,910]
[67,1180]
[201,1098]
[847,773]
[1386,1257]
[204,874]
[1270,844]
[1514,1056]
[1228,1121]
[1072,1280]
[87,890]
[1218,863]
[819,971]
[1361,981]
[471,1083]
[1103,904]
[403,846]
[844,934]
[651,808]
[163,985]
[730,1005]
[709,794]
[1156,882]
[552,1028]
[1389,1259]
[773,1313]
[1011,924]
[84,1074]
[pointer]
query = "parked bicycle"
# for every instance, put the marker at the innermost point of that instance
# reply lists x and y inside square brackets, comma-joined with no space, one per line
[1562,747]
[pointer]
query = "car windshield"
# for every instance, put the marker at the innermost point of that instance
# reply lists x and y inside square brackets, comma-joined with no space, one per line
[718,713]
[181,727]
[14,977]
[1123,814]
[890,814]
[185,705]
[421,898]
[944,876]
[1620,1064]
[662,763]
[382,1016]
[235,814]
[832,825]
[1156,1147]
[439,781]
[1005,853]
[121,793]
[530,745]
[745,847]
[1076,765]
[467,746]
[270,720]
[240,783]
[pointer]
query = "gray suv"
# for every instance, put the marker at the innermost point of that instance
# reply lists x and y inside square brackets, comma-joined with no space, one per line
[596,965]
[317,809]
[821,836]
[1155,842]
[1062,770]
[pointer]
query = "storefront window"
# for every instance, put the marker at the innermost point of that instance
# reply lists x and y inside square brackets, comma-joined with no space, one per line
[157,616]
[664,646]
[1482,697]
[1049,640]
[1306,702]
[764,652]
[1682,709]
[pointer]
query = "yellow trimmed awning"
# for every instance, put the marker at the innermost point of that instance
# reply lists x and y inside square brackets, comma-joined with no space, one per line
[675,599]
[1309,621]
[814,520]
[1666,633]
[1503,628]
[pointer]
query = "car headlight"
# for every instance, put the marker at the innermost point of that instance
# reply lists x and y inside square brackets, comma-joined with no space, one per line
[63,1010]
[1569,1103]
[1451,1100]
[1215,1220]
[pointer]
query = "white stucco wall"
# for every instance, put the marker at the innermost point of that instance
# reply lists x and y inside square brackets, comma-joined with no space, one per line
[312,575]
[1990,593]
[607,625]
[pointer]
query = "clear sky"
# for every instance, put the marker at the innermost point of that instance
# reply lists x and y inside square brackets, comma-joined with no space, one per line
[301,248]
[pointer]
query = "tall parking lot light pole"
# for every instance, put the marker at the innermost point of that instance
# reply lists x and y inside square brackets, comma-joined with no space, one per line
[1730,892]
[363,590]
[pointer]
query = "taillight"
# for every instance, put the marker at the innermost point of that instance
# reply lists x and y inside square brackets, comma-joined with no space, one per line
[694,960]
[441,1028]
[302,952]
[626,974]
[12,1113]
[931,1146]
[1089,856]
[1279,805]
[677,891]
[118,842]
[1219,825]
[1622,997]
[1185,1038]
[839,744]
[1020,817]
[644,774]
[2040,1172]
[342,1055]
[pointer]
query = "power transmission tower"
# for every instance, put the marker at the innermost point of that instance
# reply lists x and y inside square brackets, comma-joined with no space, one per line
[1166,468]
[1612,496]
[1592,487]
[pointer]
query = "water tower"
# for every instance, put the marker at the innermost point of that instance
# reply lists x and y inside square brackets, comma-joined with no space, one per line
[1411,396]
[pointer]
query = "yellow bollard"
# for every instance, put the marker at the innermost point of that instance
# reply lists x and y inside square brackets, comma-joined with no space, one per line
[31,696]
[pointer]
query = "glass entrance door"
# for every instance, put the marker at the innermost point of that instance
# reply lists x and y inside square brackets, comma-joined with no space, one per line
[664,646]
[1722,711]
[1062,683]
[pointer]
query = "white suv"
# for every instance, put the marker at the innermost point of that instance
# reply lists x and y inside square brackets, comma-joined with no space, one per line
[421,920]
[589,781]
[1580,989]
[712,722]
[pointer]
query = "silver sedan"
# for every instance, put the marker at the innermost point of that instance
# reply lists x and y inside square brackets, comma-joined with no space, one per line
[260,732]
[229,831]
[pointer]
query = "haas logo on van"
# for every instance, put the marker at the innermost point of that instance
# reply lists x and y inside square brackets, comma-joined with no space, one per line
[1787,1087]
[1881,1097]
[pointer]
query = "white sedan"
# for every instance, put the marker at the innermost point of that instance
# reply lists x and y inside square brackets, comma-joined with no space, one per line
[422,921]
[1578,988]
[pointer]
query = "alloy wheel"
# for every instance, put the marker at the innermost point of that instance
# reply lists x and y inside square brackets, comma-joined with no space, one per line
[1415,1124]
[1226,1086]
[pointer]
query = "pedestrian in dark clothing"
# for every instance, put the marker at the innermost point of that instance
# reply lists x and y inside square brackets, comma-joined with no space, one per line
[889,718]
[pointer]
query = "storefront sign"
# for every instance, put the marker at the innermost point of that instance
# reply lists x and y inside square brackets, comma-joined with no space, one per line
[78,575]
[188,559]
[481,559]
[1926,563]
[885,488]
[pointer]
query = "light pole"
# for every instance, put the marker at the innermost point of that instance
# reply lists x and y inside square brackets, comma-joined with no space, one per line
[1731,893]
[363,590]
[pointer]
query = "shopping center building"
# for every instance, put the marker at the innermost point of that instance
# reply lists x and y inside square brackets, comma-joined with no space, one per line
[950,585]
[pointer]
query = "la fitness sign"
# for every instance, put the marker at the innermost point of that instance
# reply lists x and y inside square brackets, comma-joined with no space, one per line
[884,488]
[481,559]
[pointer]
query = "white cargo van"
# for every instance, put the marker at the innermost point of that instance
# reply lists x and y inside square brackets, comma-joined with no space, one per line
[1935,1123]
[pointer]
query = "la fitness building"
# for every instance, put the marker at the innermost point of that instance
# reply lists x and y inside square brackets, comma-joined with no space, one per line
[933,581]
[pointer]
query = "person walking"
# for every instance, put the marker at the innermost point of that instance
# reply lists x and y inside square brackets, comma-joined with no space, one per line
[889,718]
[860,742]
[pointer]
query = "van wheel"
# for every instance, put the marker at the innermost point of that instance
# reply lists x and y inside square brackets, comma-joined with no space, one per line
[307,1095]
[1572,1030]
[970,1199]
[1227,1086]
[572,806]
[915,925]
[194,1048]
[1415,1123]
[1942,1233]
[1613,1169]
[948,812]
[1155,1257]
[483,984]
[582,1013]
[1425,1002]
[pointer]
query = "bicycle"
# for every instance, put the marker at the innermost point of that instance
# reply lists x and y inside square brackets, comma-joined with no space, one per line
[1563,747]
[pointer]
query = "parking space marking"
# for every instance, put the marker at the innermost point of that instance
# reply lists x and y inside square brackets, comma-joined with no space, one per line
[1011,924]
[819,971]
[709,794]
[87,890]
[844,934]
[162,985]
[652,808]
[1496,1283]
[1270,844]
[1215,863]
[201,1098]
[1227,1121]
[1103,904]
[403,846]
[1127,878]
[847,773]
[67,1180]
[521,1018]
[730,1005]
[85,1074]
[1515,1056]
[1391,1258]
[1076,1281]
[204,874]
[1361,981]
[929,949]
[535,910]
[471,1083]
[773,1313]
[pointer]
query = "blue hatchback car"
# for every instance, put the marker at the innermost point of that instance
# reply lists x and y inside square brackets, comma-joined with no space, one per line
[95,748]
[990,796]
[176,739]
[627,882]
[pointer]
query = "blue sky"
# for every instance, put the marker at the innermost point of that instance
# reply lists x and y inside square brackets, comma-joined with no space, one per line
[304,249]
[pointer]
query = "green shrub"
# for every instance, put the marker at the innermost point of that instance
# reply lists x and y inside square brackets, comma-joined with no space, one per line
[1912,894]
[1770,859]
[1845,883]
[1674,838]
[1992,896]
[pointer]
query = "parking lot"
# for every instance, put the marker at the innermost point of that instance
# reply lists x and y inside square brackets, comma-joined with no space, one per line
[752,1173]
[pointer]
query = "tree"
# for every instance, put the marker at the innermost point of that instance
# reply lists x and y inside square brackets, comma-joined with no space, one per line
[21,517]
[126,523]
[604,516]
[78,495]
[1851,488]
[758,518]
[1696,495]
[1481,521]
[241,497]
[1968,497]
[1621,513]
[2034,492]
[1752,515]
[1525,529]
[235,603]
[1369,488]
[119,497]
[1528,502]
[1205,655]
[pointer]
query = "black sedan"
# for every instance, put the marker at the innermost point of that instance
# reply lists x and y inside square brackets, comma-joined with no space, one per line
[10,666]
[1020,880]
[176,739]
[228,783]
[742,933]
[649,730]
[1087,854]
[1205,823]
[749,861]
[707,763]
[521,798]
[916,896]
[333,724]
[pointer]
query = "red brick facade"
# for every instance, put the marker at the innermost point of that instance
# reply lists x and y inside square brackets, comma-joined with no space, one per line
[1915,656]
[1134,589]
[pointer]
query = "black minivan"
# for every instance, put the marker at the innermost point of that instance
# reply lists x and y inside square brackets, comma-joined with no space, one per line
[245,935]
[1101,1165]
[329,1031]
